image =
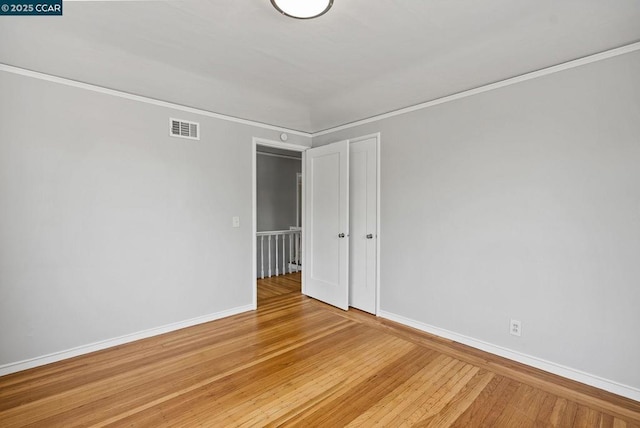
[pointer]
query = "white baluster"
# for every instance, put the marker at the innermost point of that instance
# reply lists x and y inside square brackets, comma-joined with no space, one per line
[269,245]
[262,256]
[276,239]
[284,258]
[290,251]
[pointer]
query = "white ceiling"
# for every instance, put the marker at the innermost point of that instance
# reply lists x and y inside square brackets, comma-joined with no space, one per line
[242,58]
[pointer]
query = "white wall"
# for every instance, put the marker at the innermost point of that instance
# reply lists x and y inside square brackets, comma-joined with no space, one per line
[522,202]
[108,226]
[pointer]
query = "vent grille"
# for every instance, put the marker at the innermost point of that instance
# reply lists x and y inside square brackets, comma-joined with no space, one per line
[184,129]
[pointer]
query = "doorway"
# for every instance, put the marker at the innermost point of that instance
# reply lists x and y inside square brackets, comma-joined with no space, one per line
[277,169]
[356,268]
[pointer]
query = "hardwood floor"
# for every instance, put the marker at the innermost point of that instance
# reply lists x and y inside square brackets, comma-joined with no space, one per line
[298,362]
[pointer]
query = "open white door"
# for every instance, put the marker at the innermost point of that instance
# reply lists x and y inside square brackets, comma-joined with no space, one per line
[326,263]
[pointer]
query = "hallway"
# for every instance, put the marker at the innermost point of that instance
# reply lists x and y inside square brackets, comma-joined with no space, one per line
[278,286]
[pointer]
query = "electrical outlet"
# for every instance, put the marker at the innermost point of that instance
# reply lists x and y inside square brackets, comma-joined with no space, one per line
[515,327]
[235,222]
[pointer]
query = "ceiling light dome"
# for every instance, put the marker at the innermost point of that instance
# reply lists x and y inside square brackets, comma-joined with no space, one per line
[302,9]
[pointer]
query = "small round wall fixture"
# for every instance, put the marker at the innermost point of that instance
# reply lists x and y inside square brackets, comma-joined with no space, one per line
[302,9]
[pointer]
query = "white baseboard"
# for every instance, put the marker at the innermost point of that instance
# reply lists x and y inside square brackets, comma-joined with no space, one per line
[103,344]
[548,366]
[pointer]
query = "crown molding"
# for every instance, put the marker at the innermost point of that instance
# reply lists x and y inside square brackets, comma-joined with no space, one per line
[490,87]
[611,53]
[126,95]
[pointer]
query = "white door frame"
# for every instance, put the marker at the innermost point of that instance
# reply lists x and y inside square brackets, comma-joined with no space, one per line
[256,141]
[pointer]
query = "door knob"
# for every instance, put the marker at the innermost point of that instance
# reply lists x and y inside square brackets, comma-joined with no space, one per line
[369,236]
[341,235]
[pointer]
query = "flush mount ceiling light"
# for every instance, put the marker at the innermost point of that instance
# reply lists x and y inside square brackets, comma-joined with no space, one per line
[302,9]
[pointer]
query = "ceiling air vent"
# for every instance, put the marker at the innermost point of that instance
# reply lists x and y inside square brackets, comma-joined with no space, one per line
[184,129]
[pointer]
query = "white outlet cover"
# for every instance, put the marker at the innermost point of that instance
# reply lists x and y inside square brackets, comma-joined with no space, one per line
[235,221]
[515,327]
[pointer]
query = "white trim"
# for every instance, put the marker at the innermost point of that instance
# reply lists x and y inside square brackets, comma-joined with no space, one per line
[143,99]
[277,155]
[539,363]
[254,223]
[127,338]
[506,82]
[280,145]
[379,217]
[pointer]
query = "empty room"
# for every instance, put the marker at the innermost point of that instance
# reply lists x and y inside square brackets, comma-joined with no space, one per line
[320,213]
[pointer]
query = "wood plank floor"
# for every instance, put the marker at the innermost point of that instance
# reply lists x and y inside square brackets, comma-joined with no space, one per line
[298,362]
